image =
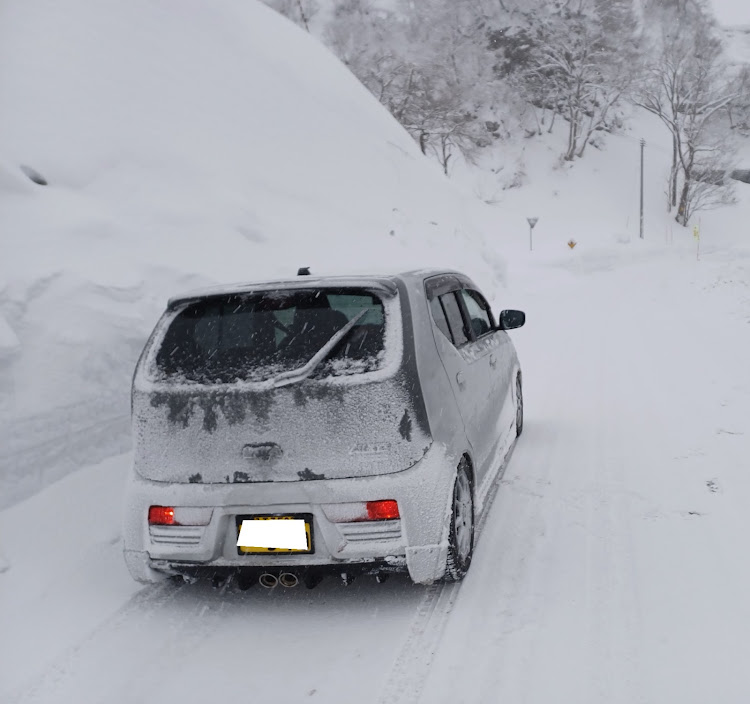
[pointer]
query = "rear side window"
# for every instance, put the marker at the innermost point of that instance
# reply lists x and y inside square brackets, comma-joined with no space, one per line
[254,337]
[455,319]
[438,315]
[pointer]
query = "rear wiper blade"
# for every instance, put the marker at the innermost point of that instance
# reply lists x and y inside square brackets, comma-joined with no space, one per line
[303,372]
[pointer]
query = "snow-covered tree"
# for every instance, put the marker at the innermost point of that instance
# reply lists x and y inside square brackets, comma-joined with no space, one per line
[423,62]
[581,64]
[688,86]
[738,111]
[460,74]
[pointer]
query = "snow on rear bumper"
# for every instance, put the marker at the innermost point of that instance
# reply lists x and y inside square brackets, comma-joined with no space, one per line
[416,542]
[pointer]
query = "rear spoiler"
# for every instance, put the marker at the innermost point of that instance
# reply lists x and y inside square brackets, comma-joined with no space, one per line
[385,287]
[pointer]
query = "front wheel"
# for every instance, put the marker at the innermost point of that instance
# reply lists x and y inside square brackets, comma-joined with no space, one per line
[461,537]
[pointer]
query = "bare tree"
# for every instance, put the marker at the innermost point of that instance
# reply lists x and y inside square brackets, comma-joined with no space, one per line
[458,74]
[710,185]
[738,111]
[437,118]
[423,63]
[582,67]
[688,88]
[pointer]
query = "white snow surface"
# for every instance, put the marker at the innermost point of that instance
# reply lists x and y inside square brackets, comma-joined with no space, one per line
[609,568]
[611,565]
[185,143]
[731,12]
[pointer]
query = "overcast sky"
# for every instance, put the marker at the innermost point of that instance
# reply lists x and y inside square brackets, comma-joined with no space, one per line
[732,12]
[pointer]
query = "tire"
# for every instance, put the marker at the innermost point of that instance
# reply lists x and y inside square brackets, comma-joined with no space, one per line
[519,406]
[461,537]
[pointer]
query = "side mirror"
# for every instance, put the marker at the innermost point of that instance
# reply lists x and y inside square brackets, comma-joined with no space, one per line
[511,319]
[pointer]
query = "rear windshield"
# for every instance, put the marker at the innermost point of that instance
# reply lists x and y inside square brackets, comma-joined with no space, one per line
[254,337]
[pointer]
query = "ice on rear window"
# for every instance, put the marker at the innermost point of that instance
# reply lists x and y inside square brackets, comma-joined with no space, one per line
[256,336]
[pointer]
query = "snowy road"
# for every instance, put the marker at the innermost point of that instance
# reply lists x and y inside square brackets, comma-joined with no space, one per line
[36,451]
[611,567]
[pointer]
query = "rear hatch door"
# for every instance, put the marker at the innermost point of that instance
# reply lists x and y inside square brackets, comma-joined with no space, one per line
[224,392]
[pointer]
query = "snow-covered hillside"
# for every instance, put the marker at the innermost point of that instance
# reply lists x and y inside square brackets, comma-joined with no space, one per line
[183,143]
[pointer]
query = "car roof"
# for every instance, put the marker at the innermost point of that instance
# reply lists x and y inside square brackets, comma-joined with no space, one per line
[387,283]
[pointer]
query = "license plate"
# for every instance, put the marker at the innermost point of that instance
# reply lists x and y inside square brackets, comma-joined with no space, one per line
[280,535]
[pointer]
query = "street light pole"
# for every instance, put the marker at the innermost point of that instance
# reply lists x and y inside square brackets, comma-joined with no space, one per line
[643,147]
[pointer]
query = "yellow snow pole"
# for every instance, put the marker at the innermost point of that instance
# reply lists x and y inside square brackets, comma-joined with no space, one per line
[697,236]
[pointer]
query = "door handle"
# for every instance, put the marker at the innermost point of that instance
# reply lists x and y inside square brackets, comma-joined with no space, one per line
[493,361]
[460,378]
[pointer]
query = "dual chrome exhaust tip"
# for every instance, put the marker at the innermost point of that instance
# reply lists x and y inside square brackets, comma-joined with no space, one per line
[285,579]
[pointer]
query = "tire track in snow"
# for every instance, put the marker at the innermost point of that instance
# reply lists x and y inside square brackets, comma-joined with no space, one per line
[523,521]
[414,660]
[181,630]
[150,598]
[178,642]
[612,503]
[37,451]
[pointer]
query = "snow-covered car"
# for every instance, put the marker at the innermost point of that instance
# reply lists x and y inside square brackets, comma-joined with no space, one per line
[288,429]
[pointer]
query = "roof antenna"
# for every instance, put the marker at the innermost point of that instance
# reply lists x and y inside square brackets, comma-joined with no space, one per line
[303,271]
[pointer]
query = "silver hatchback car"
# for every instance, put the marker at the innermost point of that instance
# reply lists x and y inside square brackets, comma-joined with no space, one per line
[288,429]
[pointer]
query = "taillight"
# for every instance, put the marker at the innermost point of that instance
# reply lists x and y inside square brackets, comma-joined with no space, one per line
[354,512]
[382,510]
[161,516]
[179,515]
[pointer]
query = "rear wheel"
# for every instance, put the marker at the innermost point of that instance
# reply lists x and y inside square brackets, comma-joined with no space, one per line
[461,537]
[519,406]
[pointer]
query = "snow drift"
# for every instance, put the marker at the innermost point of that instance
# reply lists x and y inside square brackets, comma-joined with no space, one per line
[183,143]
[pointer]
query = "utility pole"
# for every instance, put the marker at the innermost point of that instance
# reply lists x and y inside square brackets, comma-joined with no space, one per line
[643,147]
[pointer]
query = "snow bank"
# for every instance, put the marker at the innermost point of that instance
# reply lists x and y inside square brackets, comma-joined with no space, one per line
[183,143]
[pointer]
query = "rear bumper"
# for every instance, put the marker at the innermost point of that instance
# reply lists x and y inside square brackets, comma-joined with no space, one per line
[149,571]
[416,543]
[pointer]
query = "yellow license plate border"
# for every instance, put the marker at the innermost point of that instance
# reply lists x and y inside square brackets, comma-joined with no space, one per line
[307,517]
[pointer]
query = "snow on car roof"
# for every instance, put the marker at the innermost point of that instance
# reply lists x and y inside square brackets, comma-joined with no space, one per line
[385,282]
